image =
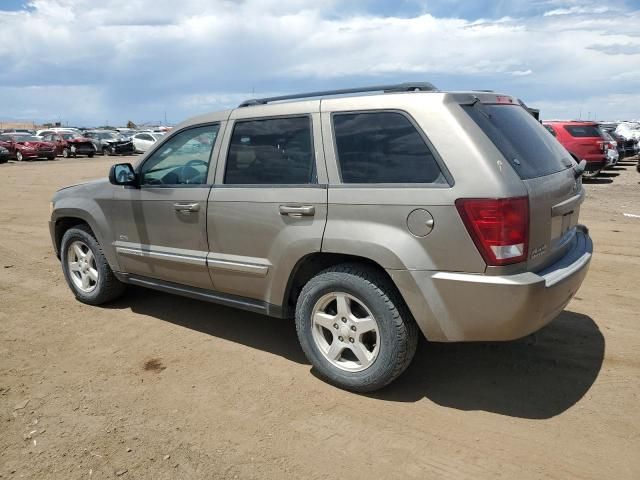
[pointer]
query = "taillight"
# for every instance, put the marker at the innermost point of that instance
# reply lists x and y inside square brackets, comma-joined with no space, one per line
[498,226]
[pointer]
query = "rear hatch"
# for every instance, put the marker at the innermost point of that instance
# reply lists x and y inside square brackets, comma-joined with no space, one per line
[588,137]
[545,168]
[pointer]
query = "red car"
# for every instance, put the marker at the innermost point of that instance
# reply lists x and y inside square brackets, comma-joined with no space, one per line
[584,141]
[70,144]
[24,146]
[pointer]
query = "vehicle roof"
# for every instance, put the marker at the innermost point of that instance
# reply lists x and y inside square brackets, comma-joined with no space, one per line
[310,103]
[571,122]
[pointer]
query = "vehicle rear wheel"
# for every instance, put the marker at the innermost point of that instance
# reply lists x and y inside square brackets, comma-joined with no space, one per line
[90,155]
[105,151]
[19,156]
[53,157]
[86,269]
[65,152]
[354,327]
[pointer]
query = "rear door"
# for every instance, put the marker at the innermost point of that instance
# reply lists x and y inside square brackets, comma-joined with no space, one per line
[268,208]
[544,165]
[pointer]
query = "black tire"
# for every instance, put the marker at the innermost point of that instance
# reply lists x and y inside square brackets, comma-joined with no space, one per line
[52,157]
[108,287]
[90,155]
[398,332]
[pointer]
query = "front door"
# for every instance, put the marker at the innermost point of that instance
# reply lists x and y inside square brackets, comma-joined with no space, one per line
[268,208]
[161,227]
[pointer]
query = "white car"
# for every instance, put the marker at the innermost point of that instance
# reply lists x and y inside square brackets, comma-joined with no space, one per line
[143,141]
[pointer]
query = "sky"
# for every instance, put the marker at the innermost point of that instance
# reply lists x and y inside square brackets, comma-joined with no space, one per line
[88,62]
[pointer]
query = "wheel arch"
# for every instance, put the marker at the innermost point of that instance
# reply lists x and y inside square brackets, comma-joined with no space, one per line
[312,264]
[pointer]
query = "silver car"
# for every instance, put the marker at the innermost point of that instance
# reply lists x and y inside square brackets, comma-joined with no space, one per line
[367,215]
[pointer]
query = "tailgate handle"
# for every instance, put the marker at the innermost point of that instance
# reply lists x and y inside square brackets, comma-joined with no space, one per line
[567,206]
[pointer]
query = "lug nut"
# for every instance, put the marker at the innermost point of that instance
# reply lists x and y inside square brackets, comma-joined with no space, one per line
[344,320]
[351,339]
[341,339]
[353,327]
[335,325]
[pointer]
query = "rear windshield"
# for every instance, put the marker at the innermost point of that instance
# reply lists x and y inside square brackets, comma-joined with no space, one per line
[582,130]
[525,143]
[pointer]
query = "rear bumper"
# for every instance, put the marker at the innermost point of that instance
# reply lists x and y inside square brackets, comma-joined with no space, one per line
[471,307]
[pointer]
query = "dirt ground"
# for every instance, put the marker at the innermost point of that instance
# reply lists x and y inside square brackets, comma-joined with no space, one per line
[157,386]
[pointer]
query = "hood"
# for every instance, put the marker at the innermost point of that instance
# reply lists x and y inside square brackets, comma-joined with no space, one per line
[36,144]
[88,185]
[79,140]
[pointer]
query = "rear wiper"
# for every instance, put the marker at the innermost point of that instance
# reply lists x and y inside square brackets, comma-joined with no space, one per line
[476,103]
[578,170]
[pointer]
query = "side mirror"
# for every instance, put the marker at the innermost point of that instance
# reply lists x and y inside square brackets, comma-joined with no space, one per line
[123,174]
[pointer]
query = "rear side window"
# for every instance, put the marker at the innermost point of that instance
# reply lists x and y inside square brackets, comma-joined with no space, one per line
[276,151]
[550,130]
[530,150]
[383,147]
[582,130]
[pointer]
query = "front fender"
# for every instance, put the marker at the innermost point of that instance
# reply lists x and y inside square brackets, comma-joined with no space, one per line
[94,213]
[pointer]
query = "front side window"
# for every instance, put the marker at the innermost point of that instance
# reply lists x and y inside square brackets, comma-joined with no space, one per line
[383,147]
[276,151]
[182,160]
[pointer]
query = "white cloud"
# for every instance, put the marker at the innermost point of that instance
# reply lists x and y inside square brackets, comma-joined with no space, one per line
[139,59]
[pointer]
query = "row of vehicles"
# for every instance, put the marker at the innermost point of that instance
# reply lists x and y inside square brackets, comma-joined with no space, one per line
[601,145]
[70,142]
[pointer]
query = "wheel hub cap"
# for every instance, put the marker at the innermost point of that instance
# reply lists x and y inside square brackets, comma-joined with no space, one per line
[345,332]
[82,266]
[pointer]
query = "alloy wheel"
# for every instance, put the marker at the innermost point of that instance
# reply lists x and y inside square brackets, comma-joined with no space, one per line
[345,331]
[82,266]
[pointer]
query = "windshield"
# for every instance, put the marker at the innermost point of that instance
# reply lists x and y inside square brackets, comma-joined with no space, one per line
[27,138]
[526,144]
[107,136]
[70,136]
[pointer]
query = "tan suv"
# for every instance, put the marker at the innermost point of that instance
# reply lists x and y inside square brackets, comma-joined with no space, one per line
[366,217]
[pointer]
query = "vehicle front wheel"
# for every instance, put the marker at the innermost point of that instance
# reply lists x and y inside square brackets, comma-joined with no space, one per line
[65,152]
[90,155]
[52,157]
[19,156]
[86,269]
[105,151]
[354,327]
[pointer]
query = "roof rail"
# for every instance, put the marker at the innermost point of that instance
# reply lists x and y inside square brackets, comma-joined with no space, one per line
[399,87]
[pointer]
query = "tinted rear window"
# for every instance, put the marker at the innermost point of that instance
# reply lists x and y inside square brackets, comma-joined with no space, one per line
[582,130]
[383,147]
[525,143]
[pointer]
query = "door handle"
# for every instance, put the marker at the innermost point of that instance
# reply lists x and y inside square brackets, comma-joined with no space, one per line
[186,207]
[298,210]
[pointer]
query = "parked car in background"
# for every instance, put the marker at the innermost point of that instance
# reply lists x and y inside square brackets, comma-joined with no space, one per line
[4,155]
[612,148]
[360,217]
[143,141]
[626,147]
[23,146]
[583,140]
[19,130]
[109,143]
[70,144]
[48,131]
[126,132]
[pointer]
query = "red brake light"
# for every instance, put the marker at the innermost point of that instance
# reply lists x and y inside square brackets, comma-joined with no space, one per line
[499,227]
